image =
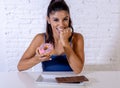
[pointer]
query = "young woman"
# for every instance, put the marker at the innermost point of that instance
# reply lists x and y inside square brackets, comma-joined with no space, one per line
[68,46]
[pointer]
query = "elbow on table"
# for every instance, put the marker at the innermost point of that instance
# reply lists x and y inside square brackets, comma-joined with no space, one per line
[78,70]
[19,67]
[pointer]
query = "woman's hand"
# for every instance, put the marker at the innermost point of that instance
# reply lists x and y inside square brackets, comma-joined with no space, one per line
[65,34]
[42,57]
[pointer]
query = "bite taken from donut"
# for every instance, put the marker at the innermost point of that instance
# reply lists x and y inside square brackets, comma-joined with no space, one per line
[46,49]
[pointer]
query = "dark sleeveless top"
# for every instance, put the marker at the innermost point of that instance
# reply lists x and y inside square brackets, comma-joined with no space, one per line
[57,63]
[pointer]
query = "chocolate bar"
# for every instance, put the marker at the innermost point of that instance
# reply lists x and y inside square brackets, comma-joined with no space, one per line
[71,79]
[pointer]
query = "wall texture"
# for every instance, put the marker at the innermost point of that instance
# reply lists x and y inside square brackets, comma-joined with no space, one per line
[97,20]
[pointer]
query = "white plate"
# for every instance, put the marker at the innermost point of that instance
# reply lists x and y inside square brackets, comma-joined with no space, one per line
[50,79]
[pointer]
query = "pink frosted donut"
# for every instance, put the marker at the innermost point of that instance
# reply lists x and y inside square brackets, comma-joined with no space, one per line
[45,48]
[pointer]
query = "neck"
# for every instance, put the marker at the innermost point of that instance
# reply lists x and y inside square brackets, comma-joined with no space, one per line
[57,41]
[56,38]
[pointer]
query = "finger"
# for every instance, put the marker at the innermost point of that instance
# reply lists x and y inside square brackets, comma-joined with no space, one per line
[64,31]
[37,51]
[45,58]
[71,29]
[67,31]
[49,57]
[61,32]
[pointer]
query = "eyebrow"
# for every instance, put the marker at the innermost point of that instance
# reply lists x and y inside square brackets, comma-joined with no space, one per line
[56,17]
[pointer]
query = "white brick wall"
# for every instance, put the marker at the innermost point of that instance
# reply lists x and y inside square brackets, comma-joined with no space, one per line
[97,20]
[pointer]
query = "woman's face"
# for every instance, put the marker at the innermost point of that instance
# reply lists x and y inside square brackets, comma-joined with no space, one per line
[59,21]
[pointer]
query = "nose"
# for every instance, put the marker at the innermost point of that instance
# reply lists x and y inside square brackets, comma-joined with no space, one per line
[61,24]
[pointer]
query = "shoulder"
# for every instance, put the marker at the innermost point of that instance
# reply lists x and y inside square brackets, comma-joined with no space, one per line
[78,41]
[77,37]
[39,36]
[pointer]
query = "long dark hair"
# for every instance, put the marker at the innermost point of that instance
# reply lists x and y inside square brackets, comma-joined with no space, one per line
[56,5]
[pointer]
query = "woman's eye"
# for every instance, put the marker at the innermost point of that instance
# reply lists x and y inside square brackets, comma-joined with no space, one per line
[65,19]
[56,20]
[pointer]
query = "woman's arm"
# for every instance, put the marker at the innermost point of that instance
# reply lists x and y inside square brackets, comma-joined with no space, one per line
[29,58]
[75,54]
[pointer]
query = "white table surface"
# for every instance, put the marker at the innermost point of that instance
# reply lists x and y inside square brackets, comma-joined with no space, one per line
[97,79]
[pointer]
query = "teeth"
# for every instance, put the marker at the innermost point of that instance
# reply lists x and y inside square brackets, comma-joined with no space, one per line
[58,29]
